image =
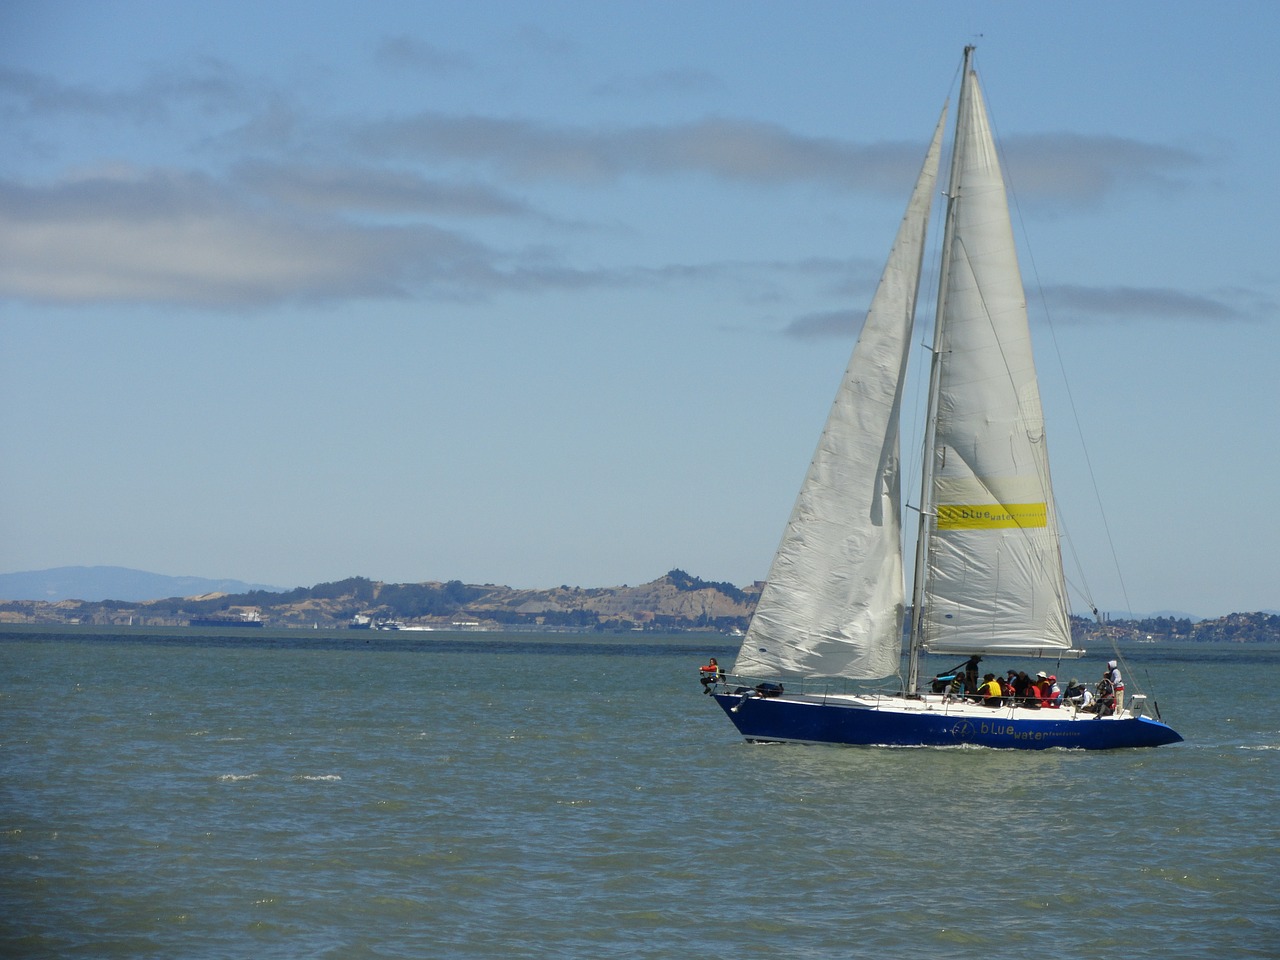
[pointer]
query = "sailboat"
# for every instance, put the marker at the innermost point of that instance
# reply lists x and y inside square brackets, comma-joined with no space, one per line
[988,577]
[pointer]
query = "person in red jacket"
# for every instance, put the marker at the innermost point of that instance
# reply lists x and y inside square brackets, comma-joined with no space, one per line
[1045,686]
[710,674]
[1054,693]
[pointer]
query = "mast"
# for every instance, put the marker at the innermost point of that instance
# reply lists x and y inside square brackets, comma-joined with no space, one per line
[927,509]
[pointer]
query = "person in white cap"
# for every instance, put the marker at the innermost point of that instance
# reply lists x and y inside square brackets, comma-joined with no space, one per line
[1113,674]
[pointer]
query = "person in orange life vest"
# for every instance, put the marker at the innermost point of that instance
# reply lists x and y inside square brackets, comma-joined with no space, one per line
[1054,694]
[1044,690]
[992,695]
[710,674]
[1113,674]
[1032,699]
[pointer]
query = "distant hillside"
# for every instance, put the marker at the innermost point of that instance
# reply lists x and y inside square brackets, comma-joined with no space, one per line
[674,602]
[111,583]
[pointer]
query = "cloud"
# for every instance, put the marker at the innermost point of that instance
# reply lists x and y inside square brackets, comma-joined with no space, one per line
[1063,169]
[182,238]
[319,206]
[833,324]
[1080,304]
[398,192]
[206,85]
[404,52]
[1071,169]
[735,150]
[661,83]
[270,233]
[1094,304]
[1066,169]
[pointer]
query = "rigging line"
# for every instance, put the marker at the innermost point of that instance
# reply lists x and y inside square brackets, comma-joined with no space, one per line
[1088,460]
[1071,400]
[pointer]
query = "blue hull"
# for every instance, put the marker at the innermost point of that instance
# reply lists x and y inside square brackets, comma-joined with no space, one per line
[811,721]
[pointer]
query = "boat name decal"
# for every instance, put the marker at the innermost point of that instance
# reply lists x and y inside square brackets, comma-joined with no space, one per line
[964,730]
[971,516]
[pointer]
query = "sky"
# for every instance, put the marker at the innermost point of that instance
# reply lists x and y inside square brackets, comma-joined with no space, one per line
[559,292]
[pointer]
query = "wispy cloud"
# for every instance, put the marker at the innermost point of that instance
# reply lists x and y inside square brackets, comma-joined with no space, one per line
[735,150]
[1096,304]
[660,83]
[207,86]
[283,201]
[1069,169]
[832,324]
[404,52]
[1065,170]
[1078,304]
[179,238]
[371,189]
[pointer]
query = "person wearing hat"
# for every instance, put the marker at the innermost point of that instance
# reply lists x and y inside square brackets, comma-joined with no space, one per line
[1045,695]
[1117,685]
[1052,692]
[1078,695]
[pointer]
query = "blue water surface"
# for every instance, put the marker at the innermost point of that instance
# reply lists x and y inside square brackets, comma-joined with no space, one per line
[330,796]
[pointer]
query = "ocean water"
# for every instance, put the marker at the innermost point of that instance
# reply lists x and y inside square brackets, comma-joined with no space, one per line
[529,797]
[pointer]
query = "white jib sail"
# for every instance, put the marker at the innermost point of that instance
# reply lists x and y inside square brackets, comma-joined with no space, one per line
[994,581]
[833,602]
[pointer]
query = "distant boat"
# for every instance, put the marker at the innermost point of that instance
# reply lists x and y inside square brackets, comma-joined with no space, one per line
[248,619]
[988,567]
[401,625]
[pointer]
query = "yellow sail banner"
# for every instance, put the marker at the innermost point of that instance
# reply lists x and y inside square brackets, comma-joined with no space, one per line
[991,516]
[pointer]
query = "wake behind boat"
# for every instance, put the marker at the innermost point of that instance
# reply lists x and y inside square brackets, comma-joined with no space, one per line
[988,568]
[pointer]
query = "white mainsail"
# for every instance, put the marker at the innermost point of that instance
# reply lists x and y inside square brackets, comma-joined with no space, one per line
[993,578]
[833,602]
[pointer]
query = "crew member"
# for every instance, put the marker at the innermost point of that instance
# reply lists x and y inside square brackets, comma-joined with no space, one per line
[710,674]
[1113,674]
